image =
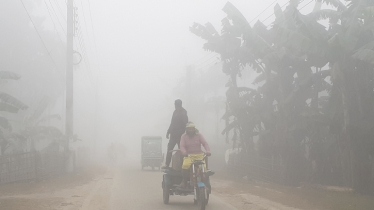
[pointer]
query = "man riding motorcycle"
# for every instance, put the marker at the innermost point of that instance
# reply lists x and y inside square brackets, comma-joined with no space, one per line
[190,146]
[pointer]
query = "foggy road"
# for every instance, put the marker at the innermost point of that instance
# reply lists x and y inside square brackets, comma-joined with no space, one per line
[130,188]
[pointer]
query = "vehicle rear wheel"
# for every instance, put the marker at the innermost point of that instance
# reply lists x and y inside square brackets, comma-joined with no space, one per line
[166,195]
[201,200]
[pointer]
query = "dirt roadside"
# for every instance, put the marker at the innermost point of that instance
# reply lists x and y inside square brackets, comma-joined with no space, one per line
[59,193]
[258,195]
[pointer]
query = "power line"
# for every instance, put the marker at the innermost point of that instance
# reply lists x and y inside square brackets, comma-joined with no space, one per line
[45,46]
[85,23]
[298,10]
[83,48]
[56,16]
[262,11]
[84,57]
[274,12]
[60,10]
[82,45]
[214,56]
[82,42]
[208,65]
[54,24]
[211,53]
[94,37]
[93,31]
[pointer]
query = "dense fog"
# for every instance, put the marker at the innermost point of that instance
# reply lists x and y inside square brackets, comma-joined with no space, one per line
[282,91]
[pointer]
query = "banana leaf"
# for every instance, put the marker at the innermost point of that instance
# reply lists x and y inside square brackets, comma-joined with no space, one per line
[311,27]
[8,108]
[292,39]
[259,78]
[49,117]
[336,3]
[8,99]
[42,106]
[9,75]
[229,127]
[4,122]
[366,55]
[325,14]
[235,15]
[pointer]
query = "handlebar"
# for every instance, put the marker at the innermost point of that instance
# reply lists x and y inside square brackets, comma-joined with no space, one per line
[205,155]
[176,150]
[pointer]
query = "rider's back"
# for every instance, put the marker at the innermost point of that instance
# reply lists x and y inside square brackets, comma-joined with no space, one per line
[192,144]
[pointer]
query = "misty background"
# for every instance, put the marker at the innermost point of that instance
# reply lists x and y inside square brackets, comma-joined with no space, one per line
[135,56]
[288,83]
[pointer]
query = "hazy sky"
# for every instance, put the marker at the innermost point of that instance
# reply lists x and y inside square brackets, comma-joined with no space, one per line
[142,48]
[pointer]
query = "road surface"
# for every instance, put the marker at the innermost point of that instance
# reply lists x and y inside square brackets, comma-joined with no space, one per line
[128,187]
[121,186]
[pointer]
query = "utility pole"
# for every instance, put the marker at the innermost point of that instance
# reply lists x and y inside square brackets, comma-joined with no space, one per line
[69,126]
[188,86]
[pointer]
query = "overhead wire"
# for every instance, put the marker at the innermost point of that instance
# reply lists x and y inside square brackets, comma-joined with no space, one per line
[93,30]
[58,19]
[54,24]
[298,10]
[201,63]
[85,22]
[96,51]
[60,10]
[40,37]
[211,53]
[262,11]
[209,65]
[82,39]
[82,46]
[274,12]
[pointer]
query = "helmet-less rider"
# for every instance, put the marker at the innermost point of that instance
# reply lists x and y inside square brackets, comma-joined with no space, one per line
[190,146]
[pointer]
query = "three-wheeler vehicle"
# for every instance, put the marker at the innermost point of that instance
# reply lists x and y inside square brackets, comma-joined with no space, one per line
[198,184]
[151,152]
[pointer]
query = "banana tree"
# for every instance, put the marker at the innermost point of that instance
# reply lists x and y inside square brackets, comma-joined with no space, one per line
[9,104]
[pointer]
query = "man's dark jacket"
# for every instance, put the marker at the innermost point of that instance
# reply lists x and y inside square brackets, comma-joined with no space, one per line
[178,123]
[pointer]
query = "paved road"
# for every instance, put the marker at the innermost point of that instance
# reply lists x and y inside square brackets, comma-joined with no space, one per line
[131,188]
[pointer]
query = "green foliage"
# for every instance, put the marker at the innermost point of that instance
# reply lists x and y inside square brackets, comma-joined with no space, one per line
[42,81]
[315,83]
[9,75]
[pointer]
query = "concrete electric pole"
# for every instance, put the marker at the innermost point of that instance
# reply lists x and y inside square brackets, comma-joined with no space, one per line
[188,86]
[69,126]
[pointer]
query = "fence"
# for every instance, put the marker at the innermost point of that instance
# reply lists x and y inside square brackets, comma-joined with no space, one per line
[37,165]
[30,165]
[17,167]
